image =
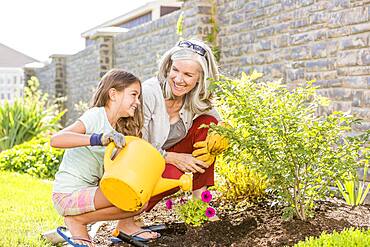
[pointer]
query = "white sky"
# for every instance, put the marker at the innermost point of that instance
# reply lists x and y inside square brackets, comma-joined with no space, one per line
[40,28]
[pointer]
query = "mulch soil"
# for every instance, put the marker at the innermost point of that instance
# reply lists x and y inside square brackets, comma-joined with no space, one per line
[246,225]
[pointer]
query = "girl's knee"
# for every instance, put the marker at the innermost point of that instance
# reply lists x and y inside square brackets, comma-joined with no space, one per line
[142,209]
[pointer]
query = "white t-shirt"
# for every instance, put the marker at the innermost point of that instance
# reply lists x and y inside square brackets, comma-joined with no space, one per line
[83,166]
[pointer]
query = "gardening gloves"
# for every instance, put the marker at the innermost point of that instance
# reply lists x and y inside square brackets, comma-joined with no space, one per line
[104,139]
[203,155]
[208,149]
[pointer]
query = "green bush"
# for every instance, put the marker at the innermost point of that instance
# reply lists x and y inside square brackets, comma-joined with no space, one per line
[347,238]
[277,132]
[34,157]
[237,181]
[27,117]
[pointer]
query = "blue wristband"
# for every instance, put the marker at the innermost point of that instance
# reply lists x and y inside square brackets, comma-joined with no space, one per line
[95,139]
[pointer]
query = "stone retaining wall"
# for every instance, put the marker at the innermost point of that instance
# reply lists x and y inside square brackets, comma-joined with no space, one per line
[302,40]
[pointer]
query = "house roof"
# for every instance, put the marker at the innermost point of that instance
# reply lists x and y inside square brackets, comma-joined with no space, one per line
[132,14]
[12,58]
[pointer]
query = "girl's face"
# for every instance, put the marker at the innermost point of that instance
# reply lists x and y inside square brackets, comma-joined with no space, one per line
[127,101]
[183,76]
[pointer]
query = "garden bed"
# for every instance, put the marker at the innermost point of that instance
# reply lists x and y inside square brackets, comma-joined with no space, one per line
[258,225]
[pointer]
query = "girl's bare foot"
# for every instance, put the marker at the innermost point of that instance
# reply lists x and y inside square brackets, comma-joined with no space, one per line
[138,221]
[83,241]
[78,231]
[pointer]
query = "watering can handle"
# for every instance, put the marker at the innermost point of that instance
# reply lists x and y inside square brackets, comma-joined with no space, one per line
[108,154]
[108,162]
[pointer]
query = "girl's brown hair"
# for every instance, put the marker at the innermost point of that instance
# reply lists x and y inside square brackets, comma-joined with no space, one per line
[119,80]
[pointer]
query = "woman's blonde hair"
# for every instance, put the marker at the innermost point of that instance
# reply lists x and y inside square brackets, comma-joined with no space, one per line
[199,99]
[119,80]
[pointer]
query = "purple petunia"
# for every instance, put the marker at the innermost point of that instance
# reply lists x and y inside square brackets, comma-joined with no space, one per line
[169,204]
[210,212]
[206,196]
[182,201]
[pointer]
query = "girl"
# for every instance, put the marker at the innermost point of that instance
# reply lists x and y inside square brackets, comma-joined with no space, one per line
[116,111]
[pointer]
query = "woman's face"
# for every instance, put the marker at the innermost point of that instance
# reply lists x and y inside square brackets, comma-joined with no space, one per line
[183,76]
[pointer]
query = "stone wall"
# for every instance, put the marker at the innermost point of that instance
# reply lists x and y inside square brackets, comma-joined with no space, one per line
[71,76]
[46,76]
[139,49]
[83,74]
[296,40]
[302,40]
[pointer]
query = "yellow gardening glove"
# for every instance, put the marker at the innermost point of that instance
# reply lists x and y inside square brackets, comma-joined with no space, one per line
[207,150]
[203,155]
[221,142]
[214,144]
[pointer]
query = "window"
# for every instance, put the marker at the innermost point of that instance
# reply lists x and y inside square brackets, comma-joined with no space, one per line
[2,96]
[165,10]
[9,96]
[89,42]
[15,79]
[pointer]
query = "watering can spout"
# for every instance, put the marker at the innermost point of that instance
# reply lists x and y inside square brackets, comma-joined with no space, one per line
[164,184]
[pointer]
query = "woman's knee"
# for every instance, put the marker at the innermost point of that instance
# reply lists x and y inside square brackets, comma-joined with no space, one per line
[196,132]
[204,119]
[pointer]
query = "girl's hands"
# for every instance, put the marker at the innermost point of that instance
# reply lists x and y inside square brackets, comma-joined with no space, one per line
[114,136]
[104,139]
[186,162]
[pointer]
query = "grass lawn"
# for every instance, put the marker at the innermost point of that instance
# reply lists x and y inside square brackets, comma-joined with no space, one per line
[26,210]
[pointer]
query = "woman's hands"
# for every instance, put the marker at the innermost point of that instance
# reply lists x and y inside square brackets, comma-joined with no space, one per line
[208,149]
[186,162]
[214,144]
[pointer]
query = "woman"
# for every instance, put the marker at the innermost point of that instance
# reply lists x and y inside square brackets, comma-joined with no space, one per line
[176,103]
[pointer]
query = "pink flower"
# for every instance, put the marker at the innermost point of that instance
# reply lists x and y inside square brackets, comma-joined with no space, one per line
[210,212]
[206,196]
[169,204]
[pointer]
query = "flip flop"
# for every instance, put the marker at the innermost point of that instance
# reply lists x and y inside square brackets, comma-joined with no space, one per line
[141,239]
[132,242]
[62,232]
[156,228]
[133,239]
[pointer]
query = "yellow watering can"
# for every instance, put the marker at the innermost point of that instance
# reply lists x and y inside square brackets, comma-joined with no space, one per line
[135,175]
